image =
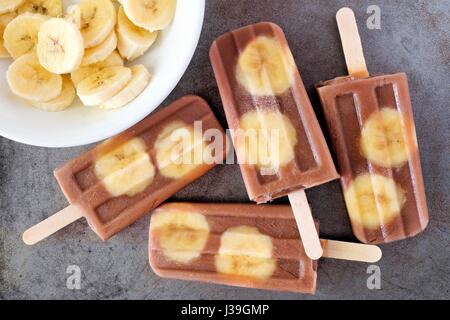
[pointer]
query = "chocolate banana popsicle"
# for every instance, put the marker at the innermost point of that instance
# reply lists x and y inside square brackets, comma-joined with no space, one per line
[279,143]
[261,89]
[239,245]
[371,123]
[123,178]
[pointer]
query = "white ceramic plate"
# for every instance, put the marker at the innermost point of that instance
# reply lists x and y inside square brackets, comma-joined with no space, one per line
[167,61]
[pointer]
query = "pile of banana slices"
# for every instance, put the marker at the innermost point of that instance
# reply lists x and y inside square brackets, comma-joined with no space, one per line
[59,54]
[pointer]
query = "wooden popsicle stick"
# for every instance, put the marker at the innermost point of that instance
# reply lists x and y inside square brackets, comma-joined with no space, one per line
[52,224]
[351,42]
[350,251]
[305,224]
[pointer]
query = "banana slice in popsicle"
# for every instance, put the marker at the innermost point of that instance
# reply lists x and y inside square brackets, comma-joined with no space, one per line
[126,170]
[179,150]
[374,200]
[181,235]
[383,139]
[245,251]
[265,67]
[269,141]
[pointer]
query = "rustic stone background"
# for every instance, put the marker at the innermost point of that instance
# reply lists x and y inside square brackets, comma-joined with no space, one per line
[414,38]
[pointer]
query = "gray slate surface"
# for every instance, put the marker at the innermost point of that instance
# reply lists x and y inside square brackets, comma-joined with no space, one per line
[414,38]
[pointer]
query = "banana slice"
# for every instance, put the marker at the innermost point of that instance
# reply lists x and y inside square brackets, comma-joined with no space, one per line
[21,34]
[53,8]
[5,19]
[9,5]
[82,73]
[60,46]
[374,200]
[126,170]
[152,15]
[139,81]
[244,251]
[100,52]
[103,85]
[73,15]
[266,139]
[179,150]
[182,235]
[383,139]
[61,102]
[98,18]
[265,67]
[29,80]
[134,41]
